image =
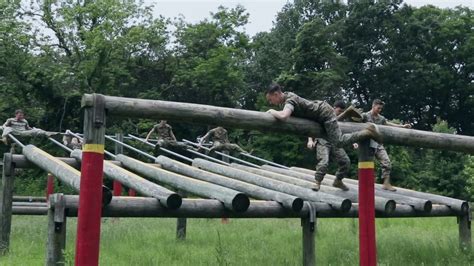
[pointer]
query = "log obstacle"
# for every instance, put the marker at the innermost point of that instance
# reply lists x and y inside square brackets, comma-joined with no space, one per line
[342,204]
[245,119]
[381,204]
[166,197]
[232,199]
[288,201]
[410,196]
[61,170]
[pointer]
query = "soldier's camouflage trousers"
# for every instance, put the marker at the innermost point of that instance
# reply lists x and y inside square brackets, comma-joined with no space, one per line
[327,153]
[219,146]
[382,156]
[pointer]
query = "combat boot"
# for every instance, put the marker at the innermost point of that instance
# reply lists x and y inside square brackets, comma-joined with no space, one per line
[339,184]
[316,185]
[374,133]
[386,184]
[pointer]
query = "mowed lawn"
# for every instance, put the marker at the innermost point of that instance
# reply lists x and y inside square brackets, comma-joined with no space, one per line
[151,241]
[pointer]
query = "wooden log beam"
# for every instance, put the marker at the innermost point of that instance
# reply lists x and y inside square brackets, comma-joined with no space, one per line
[342,204]
[288,201]
[407,196]
[28,199]
[207,208]
[381,204]
[232,199]
[245,119]
[20,161]
[64,172]
[166,197]
[6,202]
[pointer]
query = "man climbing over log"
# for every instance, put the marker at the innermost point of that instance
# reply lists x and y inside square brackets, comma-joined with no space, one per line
[166,138]
[326,152]
[220,141]
[71,141]
[19,126]
[318,111]
[374,116]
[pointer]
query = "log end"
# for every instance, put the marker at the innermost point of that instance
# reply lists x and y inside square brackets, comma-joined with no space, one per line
[106,196]
[297,205]
[390,206]
[428,206]
[346,205]
[240,203]
[174,201]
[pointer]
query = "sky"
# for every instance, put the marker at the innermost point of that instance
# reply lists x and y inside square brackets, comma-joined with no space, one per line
[262,12]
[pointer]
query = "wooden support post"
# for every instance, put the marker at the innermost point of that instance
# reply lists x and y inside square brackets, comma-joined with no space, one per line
[56,231]
[465,233]
[308,225]
[118,150]
[367,245]
[181,222]
[90,194]
[49,185]
[6,202]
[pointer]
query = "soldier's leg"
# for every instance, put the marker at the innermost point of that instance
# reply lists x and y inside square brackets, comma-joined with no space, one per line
[6,131]
[322,156]
[216,146]
[339,155]
[382,156]
[234,147]
[338,139]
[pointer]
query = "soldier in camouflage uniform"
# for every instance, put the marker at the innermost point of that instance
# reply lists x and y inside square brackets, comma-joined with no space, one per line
[72,142]
[325,151]
[220,140]
[318,111]
[375,117]
[19,126]
[166,138]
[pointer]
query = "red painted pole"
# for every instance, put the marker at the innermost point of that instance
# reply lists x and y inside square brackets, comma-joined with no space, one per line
[117,188]
[49,186]
[90,193]
[367,241]
[131,192]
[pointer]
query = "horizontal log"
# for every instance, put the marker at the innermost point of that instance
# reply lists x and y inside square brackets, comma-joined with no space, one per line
[205,208]
[28,199]
[288,201]
[342,204]
[26,210]
[232,199]
[64,172]
[166,197]
[30,204]
[245,119]
[381,204]
[459,206]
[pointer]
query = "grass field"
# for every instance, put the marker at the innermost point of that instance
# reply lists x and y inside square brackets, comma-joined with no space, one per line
[147,241]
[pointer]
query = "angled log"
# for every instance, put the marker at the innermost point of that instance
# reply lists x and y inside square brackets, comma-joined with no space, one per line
[245,119]
[288,201]
[232,199]
[381,204]
[342,204]
[166,197]
[64,172]
[459,206]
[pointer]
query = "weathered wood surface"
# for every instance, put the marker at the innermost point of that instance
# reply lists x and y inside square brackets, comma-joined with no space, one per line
[56,243]
[166,197]
[245,119]
[64,172]
[403,195]
[208,208]
[338,203]
[6,202]
[381,204]
[417,203]
[288,201]
[232,199]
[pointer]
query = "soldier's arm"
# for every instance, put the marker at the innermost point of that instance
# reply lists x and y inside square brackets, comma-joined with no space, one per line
[310,144]
[205,138]
[398,125]
[27,126]
[283,114]
[7,123]
[149,134]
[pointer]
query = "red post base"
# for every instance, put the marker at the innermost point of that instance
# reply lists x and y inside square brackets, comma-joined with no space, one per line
[367,242]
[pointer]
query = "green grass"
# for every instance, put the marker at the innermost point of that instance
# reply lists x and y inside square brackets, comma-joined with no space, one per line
[147,241]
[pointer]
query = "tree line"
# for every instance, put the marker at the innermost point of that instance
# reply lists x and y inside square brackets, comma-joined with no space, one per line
[420,61]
